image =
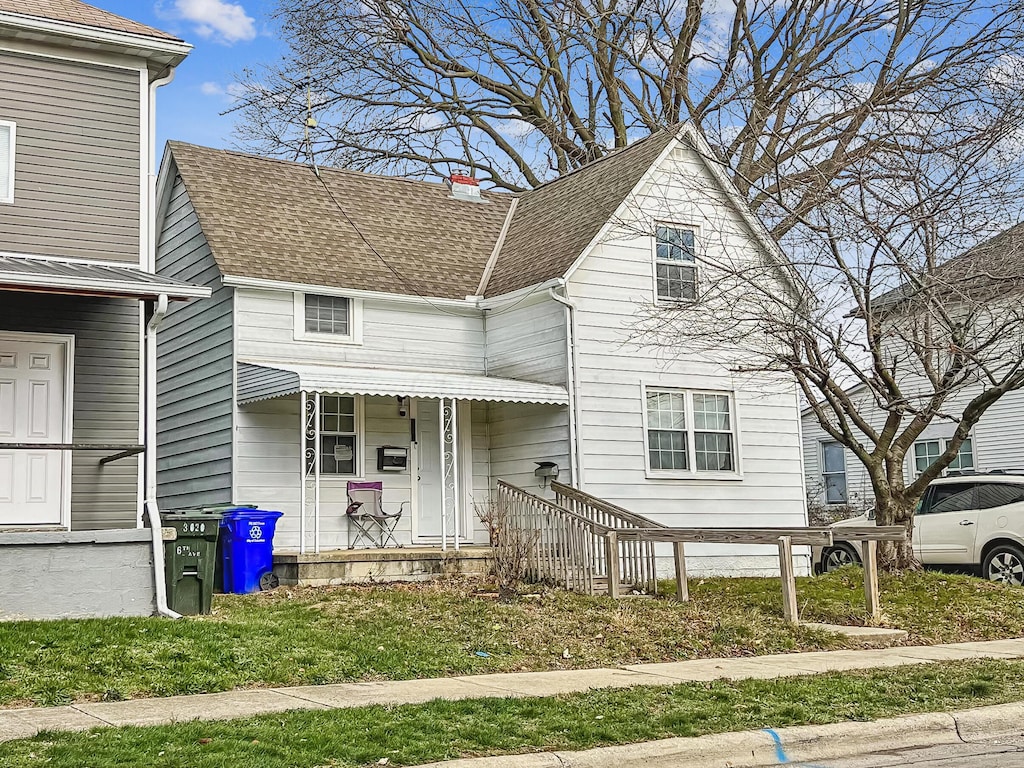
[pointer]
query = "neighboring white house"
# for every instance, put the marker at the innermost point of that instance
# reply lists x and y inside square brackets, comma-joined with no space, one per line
[835,477]
[479,332]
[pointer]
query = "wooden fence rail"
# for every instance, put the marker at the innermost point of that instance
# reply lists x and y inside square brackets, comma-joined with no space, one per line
[580,541]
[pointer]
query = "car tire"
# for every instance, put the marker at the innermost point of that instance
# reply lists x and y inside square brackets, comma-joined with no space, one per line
[837,556]
[1005,565]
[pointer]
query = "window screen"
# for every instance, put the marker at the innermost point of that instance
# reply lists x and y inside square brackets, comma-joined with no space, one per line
[666,430]
[833,462]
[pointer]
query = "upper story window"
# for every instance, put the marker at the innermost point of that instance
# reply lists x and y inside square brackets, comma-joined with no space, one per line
[328,314]
[927,451]
[833,472]
[327,318]
[675,263]
[690,431]
[8,133]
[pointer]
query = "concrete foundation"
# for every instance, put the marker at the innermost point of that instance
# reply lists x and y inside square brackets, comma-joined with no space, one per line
[365,566]
[76,574]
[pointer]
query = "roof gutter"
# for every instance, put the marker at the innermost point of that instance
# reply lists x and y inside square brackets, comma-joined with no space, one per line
[173,50]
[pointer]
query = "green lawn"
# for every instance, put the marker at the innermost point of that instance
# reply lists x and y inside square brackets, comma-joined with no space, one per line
[312,636]
[410,735]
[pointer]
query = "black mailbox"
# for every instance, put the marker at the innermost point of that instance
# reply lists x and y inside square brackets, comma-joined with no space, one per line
[391,458]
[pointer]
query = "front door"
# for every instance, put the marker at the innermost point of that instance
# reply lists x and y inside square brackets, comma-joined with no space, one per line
[428,452]
[32,410]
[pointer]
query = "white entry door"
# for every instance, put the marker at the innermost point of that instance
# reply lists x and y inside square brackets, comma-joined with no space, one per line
[32,410]
[428,453]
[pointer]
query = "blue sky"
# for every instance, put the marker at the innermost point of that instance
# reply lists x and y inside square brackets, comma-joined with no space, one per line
[227,36]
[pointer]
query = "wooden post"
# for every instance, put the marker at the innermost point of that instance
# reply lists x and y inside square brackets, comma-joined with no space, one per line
[611,549]
[682,588]
[789,606]
[869,551]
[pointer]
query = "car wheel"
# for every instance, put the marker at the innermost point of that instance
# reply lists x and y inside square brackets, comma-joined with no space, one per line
[1005,564]
[838,556]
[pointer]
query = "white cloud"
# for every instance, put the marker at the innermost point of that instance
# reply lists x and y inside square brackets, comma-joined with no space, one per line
[224,21]
[231,93]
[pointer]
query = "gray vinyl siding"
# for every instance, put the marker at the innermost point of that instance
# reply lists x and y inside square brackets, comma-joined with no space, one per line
[194,370]
[77,160]
[106,395]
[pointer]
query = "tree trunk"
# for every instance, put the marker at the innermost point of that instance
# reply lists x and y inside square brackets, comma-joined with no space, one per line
[896,556]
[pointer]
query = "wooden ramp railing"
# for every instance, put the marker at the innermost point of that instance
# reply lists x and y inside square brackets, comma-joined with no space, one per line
[583,543]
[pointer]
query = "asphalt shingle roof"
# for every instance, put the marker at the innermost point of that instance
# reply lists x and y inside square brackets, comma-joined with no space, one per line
[76,12]
[274,220]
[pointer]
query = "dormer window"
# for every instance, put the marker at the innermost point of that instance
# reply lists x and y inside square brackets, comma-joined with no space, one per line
[7,137]
[327,318]
[675,263]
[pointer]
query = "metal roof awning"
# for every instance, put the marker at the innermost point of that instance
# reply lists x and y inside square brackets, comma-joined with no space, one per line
[24,273]
[263,382]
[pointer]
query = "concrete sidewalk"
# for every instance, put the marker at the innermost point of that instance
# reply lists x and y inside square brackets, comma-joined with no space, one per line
[24,723]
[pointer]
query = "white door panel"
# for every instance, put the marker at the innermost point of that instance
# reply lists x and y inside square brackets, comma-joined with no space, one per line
[428,453]
[31,411]
[948,528]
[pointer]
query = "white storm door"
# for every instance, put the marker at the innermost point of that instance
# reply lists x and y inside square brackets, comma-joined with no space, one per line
[32,410]
[428,451]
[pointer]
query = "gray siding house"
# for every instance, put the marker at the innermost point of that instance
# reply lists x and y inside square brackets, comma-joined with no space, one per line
[79,300]
[474,333]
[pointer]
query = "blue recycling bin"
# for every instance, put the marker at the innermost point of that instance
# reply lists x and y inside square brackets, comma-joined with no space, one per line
[248,536]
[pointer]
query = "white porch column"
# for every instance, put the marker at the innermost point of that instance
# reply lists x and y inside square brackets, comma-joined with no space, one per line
[309,504]
[450,495]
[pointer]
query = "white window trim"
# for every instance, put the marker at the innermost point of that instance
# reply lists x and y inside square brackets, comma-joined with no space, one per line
[943,442]
[691,453]
[360,475]
[654,262]
[355,335]
[7,194]
[823,474]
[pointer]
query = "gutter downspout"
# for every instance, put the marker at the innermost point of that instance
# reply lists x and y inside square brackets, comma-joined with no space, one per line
[156,532]
[572,367]
[159,311]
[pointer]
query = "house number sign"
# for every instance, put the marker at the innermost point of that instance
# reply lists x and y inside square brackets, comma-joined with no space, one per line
[193,527]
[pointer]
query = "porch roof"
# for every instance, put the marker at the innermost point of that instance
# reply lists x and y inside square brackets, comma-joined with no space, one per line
[26,273]
[263,382]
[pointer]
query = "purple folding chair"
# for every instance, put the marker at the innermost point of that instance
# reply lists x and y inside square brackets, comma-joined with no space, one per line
[366,512]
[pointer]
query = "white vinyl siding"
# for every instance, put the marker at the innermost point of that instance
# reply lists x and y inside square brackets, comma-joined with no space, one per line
[8,136]
[613,285]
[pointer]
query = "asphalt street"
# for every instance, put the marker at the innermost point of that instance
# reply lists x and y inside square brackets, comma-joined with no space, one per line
[995,753]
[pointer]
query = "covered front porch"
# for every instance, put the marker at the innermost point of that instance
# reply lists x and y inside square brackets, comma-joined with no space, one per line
[436,442]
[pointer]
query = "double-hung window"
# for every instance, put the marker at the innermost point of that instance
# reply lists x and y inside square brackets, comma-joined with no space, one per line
[339,437]
[833,472]
[690,432]
[8,132]
[675,263]
[927,451]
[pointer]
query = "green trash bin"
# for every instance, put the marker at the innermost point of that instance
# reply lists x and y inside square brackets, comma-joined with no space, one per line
[190,560]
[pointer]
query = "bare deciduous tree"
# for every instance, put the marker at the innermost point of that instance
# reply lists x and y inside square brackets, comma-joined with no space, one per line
[522,90]
[907,312]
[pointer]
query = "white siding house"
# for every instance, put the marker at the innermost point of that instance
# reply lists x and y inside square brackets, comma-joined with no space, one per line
[394,305]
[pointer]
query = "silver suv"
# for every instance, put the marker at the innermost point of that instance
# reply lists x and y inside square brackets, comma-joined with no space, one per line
[962,521]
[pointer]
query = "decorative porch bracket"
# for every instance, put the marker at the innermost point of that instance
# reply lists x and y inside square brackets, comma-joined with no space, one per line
[449,420]
[309,505]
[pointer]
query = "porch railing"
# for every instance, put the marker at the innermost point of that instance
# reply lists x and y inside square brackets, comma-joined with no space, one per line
[560,547]
[585,543]
[637,564]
